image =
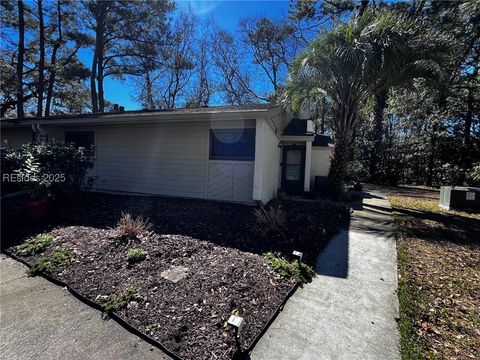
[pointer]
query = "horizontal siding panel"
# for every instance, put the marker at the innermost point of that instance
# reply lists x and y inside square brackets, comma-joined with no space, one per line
[152,177]
[155,191]
[174,169]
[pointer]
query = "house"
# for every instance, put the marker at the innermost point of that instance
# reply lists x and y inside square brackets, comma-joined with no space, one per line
[240,154]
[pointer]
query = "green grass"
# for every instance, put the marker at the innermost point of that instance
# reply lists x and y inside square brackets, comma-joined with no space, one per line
[60,258]
[296,269]
[35,246]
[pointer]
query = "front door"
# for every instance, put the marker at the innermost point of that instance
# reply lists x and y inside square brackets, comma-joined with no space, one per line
[293,169]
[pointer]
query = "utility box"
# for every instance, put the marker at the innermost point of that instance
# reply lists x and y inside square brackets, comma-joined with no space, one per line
[458,197]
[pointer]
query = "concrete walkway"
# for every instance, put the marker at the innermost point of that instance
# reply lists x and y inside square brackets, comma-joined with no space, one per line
[348,311]
[40,320]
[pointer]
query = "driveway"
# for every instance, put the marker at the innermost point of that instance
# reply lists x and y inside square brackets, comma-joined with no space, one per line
[348,311]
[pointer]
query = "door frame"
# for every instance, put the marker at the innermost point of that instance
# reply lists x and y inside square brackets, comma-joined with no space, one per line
[285,149]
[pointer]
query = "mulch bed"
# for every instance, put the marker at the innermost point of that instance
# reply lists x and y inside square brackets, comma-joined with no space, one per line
[216,242]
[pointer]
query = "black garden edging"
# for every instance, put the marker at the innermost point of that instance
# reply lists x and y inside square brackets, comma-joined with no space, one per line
[126,325]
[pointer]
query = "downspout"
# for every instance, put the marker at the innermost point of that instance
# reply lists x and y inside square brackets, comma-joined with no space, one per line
[40,134]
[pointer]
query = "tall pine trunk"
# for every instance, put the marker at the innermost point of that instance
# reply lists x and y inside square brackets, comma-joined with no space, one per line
[381,99]
[41,62]
[21,52]
[53,62]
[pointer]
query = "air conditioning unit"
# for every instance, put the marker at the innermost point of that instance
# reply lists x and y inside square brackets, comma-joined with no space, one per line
[457,197]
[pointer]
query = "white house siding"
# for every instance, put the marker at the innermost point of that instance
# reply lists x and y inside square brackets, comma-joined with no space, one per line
[320,162]
[267,161]
[165,159]
[169,159]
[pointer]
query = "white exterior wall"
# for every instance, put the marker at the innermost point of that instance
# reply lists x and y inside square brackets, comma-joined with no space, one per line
[321,157]
[267,161]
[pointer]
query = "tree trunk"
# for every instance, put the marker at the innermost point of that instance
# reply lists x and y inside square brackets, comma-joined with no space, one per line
[93,86]
[324,111]
[466,161]
[432,155]
[148,89]
[344,118]
[41,62]
[53,62]
[21,52]
[379,108]
[100,50]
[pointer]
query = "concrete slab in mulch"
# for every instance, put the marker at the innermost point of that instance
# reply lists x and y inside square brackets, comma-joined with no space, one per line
[175,273]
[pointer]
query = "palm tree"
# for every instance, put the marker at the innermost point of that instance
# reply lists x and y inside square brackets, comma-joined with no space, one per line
[349,64]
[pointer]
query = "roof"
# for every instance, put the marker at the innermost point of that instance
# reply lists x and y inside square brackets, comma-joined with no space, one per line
[168,115]
[197,110]
[322,140]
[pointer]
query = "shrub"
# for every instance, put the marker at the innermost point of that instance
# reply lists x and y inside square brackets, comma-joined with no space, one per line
[59,259]
[35,245]
[118,300]
[136,255]
[132,227]
[45,170]
[297,269]
[271,219]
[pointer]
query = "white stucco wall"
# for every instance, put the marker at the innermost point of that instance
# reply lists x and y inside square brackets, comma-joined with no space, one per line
[321,157]
[267,161]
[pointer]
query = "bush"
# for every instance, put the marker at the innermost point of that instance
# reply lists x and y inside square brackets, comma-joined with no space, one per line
[271,219]
[118,300]
[132,227]
[296,269]
[35,245]
[136,255]
[45,170]
[59,258]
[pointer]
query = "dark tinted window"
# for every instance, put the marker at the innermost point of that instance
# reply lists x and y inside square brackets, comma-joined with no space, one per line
[84,139]
[232,144]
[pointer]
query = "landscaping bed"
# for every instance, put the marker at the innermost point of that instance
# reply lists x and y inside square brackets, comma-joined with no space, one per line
[216,251]
[439,279]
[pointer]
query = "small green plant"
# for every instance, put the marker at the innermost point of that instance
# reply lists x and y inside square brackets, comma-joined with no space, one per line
[132,227]
[35,245]
[60,258]
[152,329]
[296,269]
[136,255]
[271,219]
[118,300]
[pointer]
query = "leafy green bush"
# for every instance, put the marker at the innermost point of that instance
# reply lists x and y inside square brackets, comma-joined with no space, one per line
[296,269]
[118,300]
[60,258]
[46,170]
[35,245]
[136,255]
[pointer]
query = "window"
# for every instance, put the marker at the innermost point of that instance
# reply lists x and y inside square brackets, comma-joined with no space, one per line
[85,139]
[232,144]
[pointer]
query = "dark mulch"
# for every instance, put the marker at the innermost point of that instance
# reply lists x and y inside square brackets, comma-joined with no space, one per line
[217,242]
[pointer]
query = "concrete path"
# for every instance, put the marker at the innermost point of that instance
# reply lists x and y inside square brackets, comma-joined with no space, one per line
[348,311]
[40,320]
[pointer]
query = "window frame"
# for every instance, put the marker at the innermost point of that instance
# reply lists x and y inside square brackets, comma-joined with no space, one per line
[89,154]
[231,158]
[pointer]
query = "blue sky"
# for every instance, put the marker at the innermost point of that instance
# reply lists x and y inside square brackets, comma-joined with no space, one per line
[225,13]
